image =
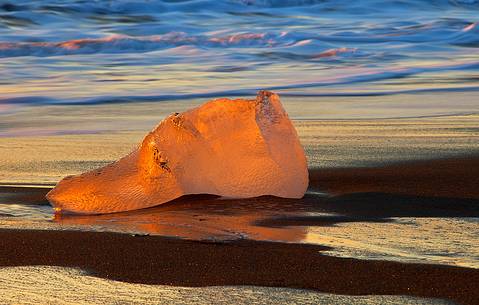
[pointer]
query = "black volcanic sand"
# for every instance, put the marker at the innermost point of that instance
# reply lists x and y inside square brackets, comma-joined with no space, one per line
[24,195]
[160,260]
[438,188]
[447,178]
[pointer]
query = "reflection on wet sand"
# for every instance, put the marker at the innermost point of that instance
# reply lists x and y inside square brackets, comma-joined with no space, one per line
[203,217]
[424,211]
[367,225]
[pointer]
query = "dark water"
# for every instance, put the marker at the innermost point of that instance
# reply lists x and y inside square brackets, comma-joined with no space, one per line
[95,52]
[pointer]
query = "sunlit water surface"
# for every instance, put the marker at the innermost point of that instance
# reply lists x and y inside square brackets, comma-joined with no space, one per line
[103,52]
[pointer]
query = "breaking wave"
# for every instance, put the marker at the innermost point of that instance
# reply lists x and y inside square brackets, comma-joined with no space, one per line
[82,52]
[283,43]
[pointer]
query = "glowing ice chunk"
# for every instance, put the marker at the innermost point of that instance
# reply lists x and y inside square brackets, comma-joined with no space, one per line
[232,148]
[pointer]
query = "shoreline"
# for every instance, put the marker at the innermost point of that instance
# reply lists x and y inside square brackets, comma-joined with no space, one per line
[168,261]
[434,188]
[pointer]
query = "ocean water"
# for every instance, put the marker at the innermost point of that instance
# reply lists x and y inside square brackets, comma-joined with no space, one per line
[76,52]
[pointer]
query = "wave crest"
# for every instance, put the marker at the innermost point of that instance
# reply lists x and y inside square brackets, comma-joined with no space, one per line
[125,44]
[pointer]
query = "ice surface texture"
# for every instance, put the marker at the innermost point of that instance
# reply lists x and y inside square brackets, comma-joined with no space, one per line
[232,148]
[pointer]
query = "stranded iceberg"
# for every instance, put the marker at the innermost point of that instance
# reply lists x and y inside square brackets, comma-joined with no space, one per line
[232,148]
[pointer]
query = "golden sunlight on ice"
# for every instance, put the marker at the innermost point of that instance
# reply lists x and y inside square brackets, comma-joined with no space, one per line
[231,148]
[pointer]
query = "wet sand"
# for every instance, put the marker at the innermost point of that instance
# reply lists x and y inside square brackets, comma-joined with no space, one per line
[436,188]
[447,178]
[159,260]
[24,194]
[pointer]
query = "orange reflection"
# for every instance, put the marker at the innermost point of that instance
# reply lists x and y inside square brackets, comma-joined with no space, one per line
[201,217]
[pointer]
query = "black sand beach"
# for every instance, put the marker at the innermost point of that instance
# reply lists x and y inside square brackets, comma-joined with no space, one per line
[158,260]
[437,188]
[442,178]
[377,102]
